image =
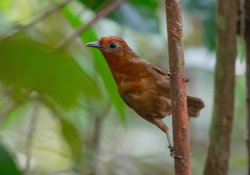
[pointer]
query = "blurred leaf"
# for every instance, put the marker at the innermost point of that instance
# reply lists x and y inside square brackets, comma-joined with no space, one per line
[205,10]
[72,137]
[33,66]
[137,14]
[5,5]
[7,164]
[15,116]
[209,32]
[138,17]
[69,130]
[241,49]
[100,63]
[6,26]
[153,4]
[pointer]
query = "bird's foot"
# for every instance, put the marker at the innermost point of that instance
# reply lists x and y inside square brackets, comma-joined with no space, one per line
[173,155]
[184,79]
[169,73]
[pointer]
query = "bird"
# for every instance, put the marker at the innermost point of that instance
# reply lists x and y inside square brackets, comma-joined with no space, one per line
[143,86]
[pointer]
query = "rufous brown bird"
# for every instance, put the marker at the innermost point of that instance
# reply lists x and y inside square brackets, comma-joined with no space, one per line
[144,87]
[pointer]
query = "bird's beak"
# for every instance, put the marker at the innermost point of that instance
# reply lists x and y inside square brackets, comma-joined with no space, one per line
[95,44]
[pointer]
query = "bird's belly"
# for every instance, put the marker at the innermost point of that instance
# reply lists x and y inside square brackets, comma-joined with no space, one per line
[145,97]
[149,103]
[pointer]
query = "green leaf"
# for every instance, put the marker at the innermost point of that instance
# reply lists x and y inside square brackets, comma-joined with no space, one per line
[148,3]
[32,66]
[209,32]
[7,164]
[5,5]
[100,64]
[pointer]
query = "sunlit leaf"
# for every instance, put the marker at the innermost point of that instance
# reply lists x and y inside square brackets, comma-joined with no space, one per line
[7,164]
[5,5]
[32,66]
[100,64]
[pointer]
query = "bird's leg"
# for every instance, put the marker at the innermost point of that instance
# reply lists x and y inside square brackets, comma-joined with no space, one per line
[170,145]
[160,124]
[184,79]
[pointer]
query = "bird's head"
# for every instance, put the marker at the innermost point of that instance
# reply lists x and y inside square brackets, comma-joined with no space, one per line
[112,47]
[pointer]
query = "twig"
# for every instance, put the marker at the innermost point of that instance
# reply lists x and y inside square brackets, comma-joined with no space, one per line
[102,13]
[40,18]
[48,13]
[30,136]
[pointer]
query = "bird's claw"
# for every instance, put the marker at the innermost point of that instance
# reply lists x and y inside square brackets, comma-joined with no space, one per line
[169,73]
[173,155]
[184,79]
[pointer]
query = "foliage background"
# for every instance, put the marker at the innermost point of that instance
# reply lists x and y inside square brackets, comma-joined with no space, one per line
[60,112]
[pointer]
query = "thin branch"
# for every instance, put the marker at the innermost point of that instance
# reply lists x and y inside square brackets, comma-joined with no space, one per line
[38,19]
[102,13]
[30,136]
[247,42]
[48,13]
[99,119]
[178,87]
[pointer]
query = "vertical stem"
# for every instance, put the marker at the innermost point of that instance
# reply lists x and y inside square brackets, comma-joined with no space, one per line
[222,120]
[96,139]
[247,40]
[30,135]
[178,87]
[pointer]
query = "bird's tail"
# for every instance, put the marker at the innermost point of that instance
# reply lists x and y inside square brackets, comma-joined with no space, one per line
[194,105]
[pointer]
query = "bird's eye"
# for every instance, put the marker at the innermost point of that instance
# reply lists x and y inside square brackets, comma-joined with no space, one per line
[112,45]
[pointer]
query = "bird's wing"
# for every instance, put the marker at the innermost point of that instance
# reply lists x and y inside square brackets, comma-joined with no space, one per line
[125,98]
[162,79]
[158,70]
